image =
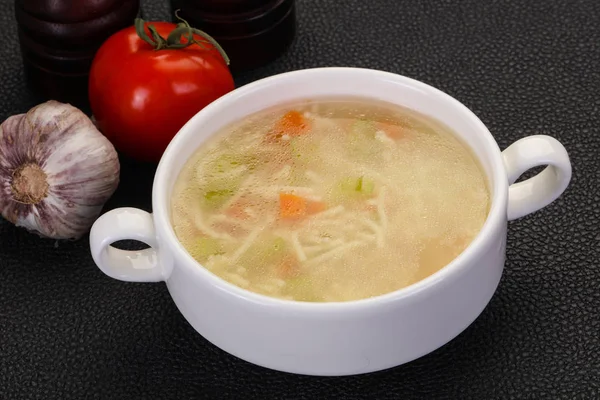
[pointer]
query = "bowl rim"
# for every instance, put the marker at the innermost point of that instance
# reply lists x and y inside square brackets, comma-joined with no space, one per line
[488,233]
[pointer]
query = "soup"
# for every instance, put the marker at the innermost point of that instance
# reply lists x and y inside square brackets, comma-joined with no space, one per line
[329,200]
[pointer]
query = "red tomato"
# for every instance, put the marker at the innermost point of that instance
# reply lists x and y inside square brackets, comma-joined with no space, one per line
[141,96]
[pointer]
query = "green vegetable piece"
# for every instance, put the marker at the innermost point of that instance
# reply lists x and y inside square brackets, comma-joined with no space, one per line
[279,245]
[265,252]
[353,188]
[359,184]
[220,189]
[206,247]
[216,198]
[274,249]
[348,185]
[365,186]
[226,162]
[224,182]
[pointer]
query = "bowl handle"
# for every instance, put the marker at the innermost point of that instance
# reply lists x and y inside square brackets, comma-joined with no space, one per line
[132,266]
[537,192]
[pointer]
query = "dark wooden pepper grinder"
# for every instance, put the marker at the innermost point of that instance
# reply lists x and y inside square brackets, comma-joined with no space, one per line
[59,39]
[252,32]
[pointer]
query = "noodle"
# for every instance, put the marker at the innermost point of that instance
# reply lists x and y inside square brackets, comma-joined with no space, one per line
[297,247]
[248,240]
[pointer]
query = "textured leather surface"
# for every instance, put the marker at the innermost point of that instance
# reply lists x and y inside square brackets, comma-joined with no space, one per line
[525,67]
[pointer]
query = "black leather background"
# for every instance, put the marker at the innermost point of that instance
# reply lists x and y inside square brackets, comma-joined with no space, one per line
[524,67]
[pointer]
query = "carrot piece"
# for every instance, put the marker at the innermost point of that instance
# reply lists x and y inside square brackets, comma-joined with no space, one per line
[292,123]
[291,206]
[288,268]
[237,211]
[313,207]
[393,131]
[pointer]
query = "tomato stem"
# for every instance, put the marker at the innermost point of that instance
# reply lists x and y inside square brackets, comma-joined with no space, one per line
[173,41]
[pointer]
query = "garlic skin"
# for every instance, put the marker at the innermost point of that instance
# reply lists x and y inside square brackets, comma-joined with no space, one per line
[56,171]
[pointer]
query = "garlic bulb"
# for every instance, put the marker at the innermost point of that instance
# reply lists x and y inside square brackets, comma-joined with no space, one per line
[56,171]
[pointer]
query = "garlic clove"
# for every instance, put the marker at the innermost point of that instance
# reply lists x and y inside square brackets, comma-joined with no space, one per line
[56,171]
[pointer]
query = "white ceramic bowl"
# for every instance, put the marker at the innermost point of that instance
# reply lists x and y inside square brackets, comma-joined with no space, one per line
[333,338]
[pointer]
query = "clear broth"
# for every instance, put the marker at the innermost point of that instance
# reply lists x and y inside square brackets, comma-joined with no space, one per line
[329,200]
